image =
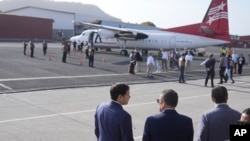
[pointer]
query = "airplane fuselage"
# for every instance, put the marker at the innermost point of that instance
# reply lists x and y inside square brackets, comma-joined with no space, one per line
[156,40]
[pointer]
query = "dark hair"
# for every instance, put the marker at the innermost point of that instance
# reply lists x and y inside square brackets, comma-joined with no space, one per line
[170,97]
[118,89]
[246,111]
[219,94]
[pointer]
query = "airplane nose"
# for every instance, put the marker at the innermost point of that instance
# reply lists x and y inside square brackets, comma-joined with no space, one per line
[71,39]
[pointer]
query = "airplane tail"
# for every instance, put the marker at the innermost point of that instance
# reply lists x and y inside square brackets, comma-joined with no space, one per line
[216,18]
[214,24]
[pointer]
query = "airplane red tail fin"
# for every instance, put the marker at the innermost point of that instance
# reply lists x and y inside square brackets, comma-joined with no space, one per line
[216,18]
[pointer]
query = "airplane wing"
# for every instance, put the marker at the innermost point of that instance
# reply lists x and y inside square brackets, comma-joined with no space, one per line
[120,33]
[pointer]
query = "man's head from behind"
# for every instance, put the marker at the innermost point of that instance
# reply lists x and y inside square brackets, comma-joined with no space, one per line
[245,116]
[168,99]
[120,92]
[219,94]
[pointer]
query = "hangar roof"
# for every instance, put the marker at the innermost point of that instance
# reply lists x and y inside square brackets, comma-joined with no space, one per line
[27,7]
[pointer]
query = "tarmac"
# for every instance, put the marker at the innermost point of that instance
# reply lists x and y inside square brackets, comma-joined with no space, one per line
[46,100]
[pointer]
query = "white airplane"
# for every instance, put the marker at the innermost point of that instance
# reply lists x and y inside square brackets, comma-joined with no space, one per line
[213,30]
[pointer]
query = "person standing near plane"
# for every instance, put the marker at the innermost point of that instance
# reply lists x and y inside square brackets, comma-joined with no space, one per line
[164,60]
[159,61]
[150,65]
[223,50]
[25,44]
[138,59]
[241,62]
[91,57]
[235,60]
[65,51]
[189,59]
[32,47]
[222,66]
[132,62]
[209,64]
[86,50]
[74,46]
[181,68]
[229,68]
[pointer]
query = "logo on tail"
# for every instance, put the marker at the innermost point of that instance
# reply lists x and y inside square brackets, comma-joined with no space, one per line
[216,18]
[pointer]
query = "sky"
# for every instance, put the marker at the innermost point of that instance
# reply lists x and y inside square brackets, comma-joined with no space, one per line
[172,13]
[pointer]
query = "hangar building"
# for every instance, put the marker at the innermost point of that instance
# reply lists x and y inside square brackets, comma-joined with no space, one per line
[22,27]
[62,25]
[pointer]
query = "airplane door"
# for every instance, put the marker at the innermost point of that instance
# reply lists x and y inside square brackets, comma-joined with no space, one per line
[172,42]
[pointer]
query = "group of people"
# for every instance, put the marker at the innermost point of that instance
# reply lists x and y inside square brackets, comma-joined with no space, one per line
[32,47]
[229,61]
[78,48]
[113,123]
[181,62]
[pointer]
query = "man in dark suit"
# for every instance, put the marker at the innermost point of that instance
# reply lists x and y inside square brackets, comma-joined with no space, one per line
[168,125]
[210,63]
[215,124]
[112,122]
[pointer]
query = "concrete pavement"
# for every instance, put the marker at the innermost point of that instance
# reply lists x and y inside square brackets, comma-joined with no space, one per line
[68,114]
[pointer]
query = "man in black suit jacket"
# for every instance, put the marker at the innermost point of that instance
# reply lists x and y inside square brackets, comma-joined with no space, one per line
[210,63]
[168,125]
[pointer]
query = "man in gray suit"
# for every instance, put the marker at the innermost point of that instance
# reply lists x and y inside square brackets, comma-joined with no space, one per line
[168,125]
[215,124]
[112,122]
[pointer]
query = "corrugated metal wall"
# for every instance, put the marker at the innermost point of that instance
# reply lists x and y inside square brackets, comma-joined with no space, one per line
[21,27]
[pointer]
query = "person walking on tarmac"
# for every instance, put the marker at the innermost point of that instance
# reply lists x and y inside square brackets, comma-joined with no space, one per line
[222,65]
[210,63]
[25,44]
[32,46]
[45,46]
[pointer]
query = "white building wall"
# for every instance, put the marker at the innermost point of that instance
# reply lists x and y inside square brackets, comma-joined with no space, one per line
[62,20]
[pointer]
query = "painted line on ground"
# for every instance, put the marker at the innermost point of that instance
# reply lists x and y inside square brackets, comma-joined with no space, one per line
[6,87]
[86,111]
[59,77]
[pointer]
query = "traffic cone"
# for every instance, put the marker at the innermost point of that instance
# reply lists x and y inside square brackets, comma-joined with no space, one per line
[81,62]
[103,59]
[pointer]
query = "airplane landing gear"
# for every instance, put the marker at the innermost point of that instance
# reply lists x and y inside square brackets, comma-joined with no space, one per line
[124,52]
[108,49]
